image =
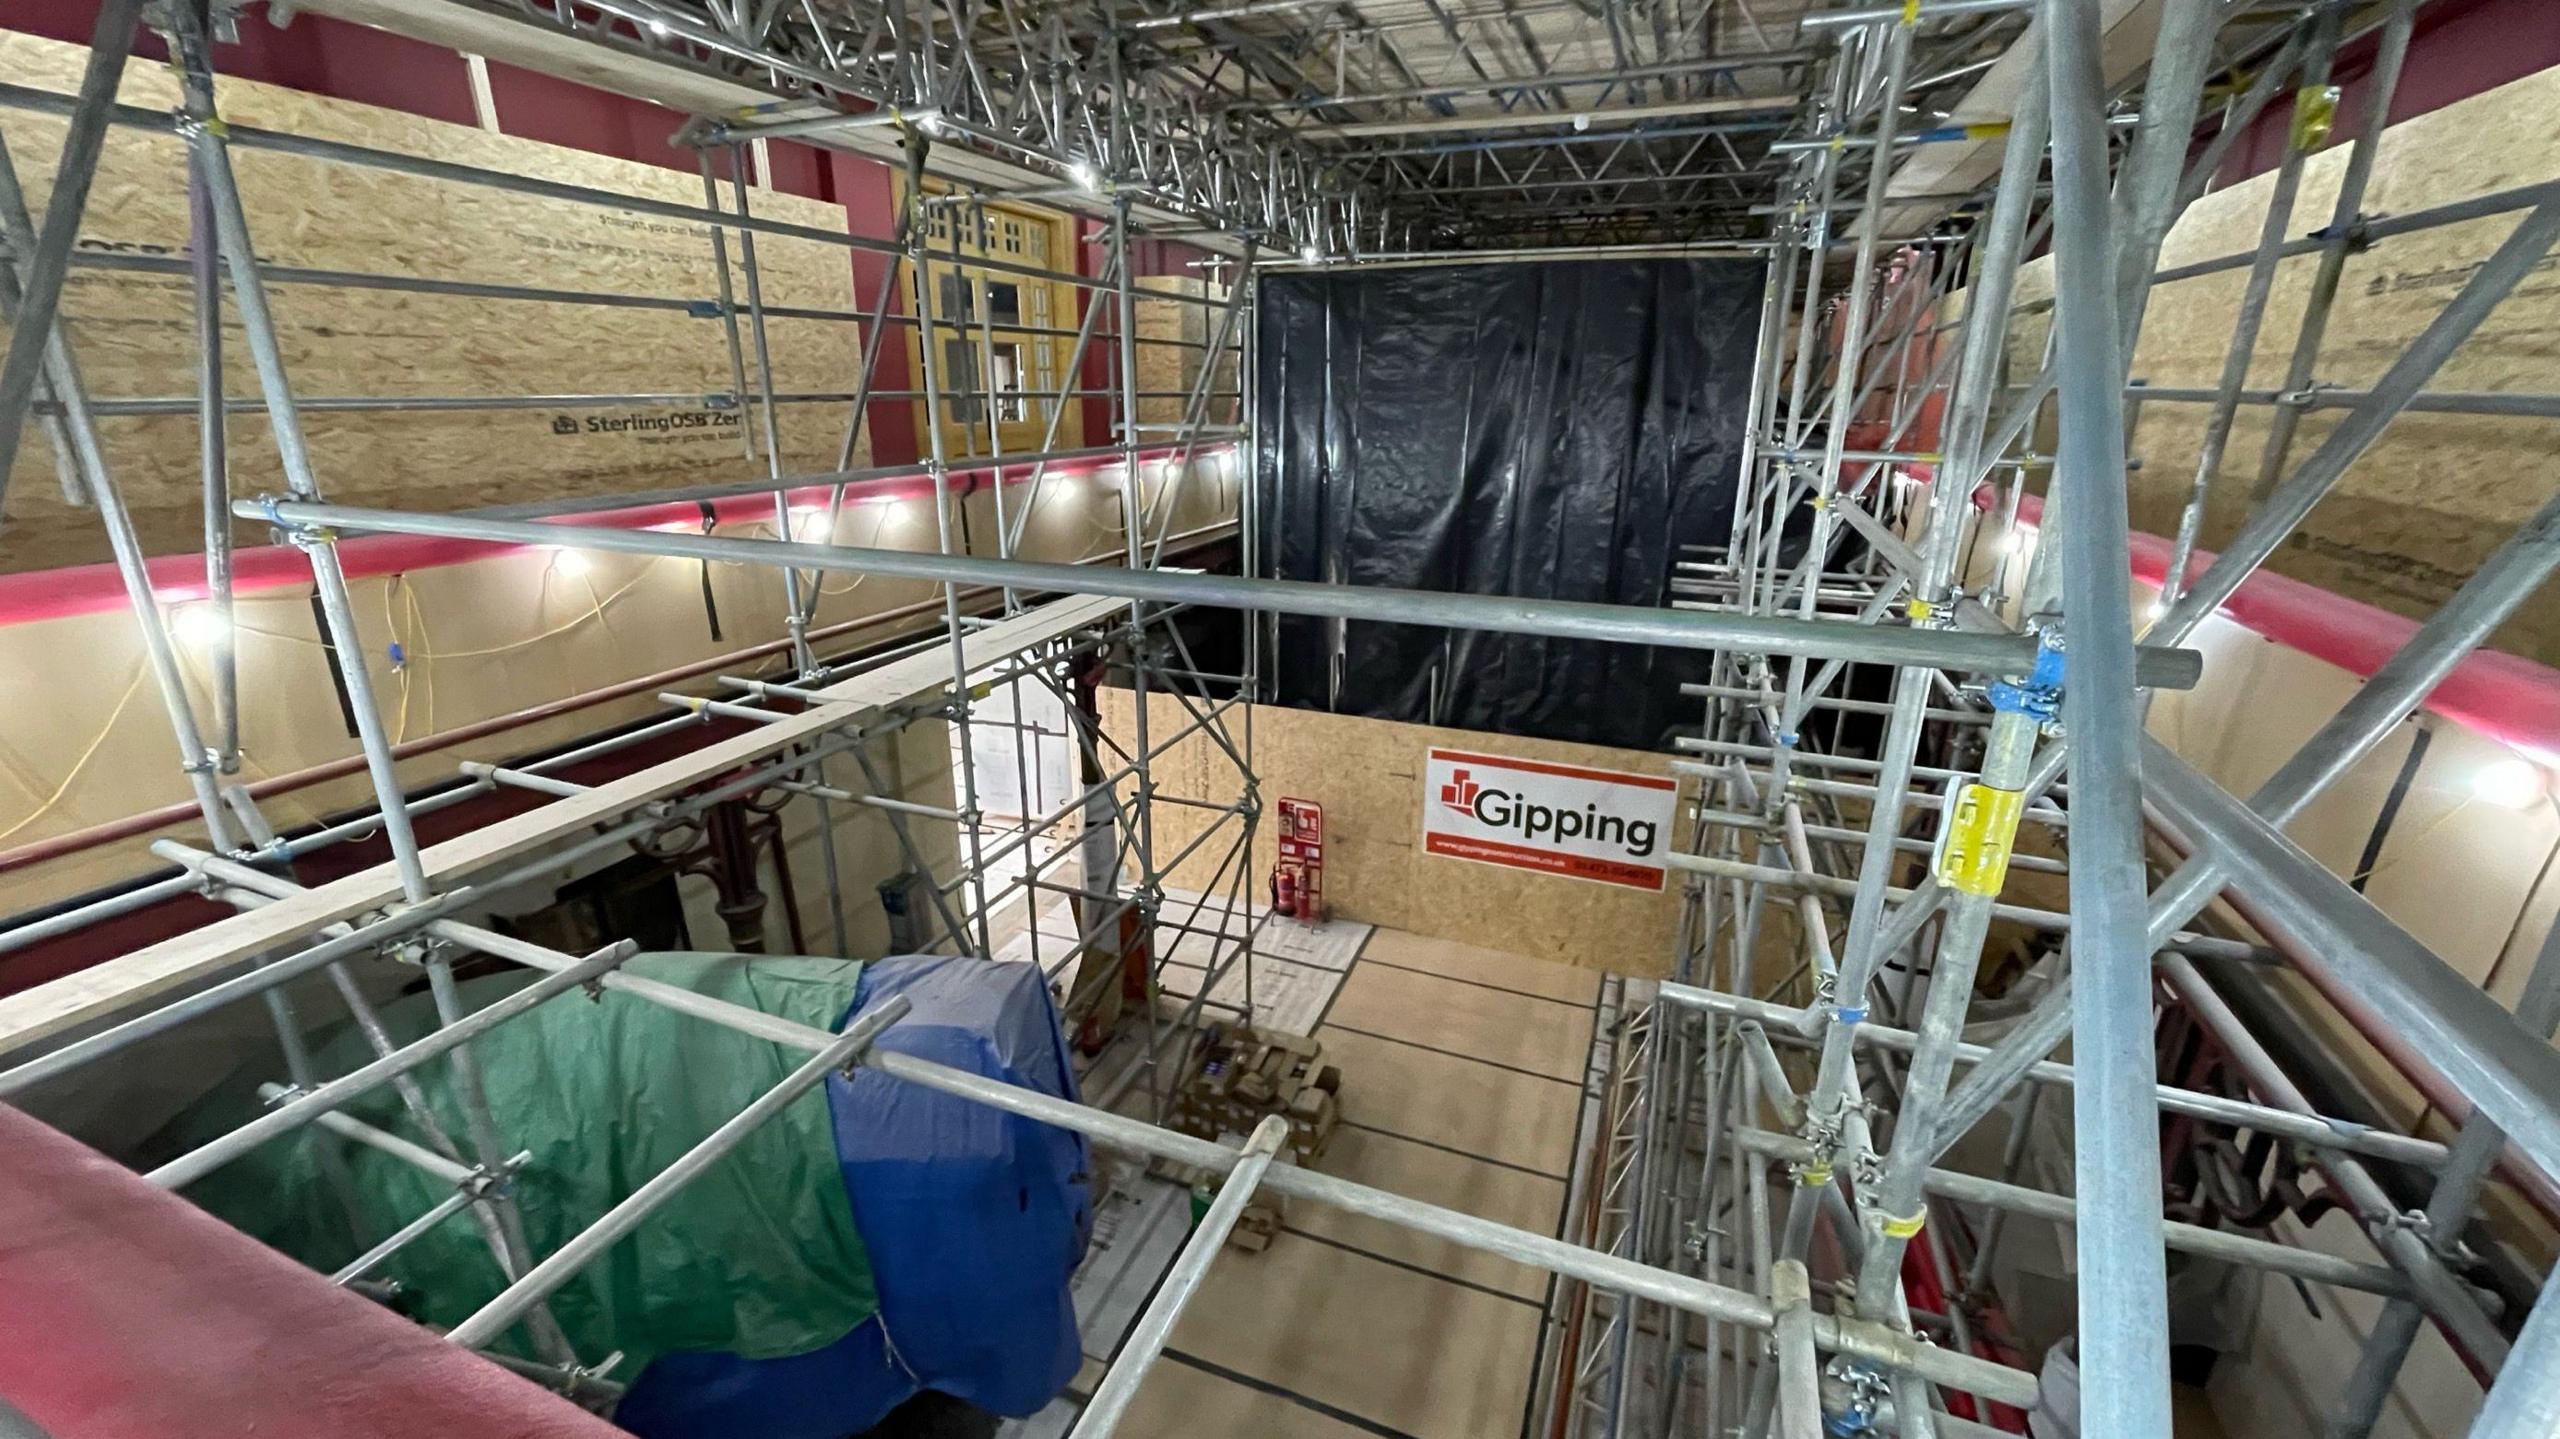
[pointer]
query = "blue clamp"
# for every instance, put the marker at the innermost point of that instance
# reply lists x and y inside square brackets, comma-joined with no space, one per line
[399,656]
[1787,740]
[1848,1014]
[1856,1416]
[2039,696]
[704,309]
[274,517]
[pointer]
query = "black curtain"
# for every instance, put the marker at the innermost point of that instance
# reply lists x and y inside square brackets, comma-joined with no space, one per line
[1555,430]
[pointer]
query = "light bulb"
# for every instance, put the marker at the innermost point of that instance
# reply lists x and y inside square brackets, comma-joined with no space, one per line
[1084,175]
[2509,783]
[1312,255]
[658,28]
[199,626]
[2010,543]
[568,564]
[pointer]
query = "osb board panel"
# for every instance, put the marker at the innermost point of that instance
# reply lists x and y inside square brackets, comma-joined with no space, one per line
[1164,366]
[1540,1035]
[1416,1354]
[1449,1099]
[1436,1176]
[2438,492]
[1367,775]
[1482,966]
[133,334]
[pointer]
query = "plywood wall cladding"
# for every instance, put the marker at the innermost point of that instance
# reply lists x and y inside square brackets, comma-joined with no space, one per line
[134,333]
[1166,369]
[1368,776]
[2438,492]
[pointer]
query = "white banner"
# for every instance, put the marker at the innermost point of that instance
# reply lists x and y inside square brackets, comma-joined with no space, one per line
[1597,824]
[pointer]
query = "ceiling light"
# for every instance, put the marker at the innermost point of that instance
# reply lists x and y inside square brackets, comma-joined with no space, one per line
[658,28]
[2509,783]
[2010,543]
[1084,175]
[199,626]
[1311,255]
[568,564]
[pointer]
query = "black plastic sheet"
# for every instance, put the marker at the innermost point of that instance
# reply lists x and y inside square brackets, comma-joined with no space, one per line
[1556,430]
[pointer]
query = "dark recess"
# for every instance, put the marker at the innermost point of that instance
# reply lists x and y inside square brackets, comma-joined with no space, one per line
[1555,430]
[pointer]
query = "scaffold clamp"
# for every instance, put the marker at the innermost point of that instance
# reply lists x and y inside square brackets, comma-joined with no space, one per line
[2038,696]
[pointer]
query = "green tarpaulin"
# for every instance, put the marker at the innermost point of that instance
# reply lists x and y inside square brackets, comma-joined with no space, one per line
[758,1256]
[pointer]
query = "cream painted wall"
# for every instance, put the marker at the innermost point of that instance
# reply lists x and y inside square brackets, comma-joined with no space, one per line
[84,740]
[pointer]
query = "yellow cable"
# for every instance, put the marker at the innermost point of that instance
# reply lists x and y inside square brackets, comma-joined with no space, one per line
[594,613]
[2413,844]
[391,624]
[879,522]
[87,754]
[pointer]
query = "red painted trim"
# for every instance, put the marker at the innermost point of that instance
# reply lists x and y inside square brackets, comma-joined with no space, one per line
[868,190]
[1570,866]
[2458,49]
[1567,771]
[2510,699]
[315,54]
[36,595]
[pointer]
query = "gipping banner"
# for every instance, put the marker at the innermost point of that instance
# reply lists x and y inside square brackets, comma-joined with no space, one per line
[1597,824]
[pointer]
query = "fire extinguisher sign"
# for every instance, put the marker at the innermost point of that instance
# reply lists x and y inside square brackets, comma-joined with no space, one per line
[1606,825]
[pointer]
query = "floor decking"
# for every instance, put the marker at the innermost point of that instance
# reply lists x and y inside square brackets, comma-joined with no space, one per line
[1463,1074]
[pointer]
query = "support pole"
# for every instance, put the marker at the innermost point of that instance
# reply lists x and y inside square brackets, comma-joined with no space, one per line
[938,466]
[2338,238]
[1146,1342]
[310,1105]
[1562,619]
[2123,1299]
[78,429]
[512,1303]
[48,262]
[2450,1209]
[1799,1368]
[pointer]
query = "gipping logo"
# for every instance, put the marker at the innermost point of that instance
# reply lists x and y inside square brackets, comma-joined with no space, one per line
[1606,825]
[1460,793]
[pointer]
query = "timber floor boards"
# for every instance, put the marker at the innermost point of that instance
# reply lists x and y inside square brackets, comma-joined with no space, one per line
[1462,1084]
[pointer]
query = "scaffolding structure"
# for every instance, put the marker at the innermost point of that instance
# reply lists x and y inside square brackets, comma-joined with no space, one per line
[1756,1122]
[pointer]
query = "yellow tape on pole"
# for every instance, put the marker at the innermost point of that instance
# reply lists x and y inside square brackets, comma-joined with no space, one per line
[2315,111]
[1980,833]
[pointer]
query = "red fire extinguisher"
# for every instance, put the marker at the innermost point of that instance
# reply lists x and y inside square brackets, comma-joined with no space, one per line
[1284,892]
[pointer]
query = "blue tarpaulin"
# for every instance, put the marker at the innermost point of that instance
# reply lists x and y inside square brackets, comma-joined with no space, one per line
[974,1219]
